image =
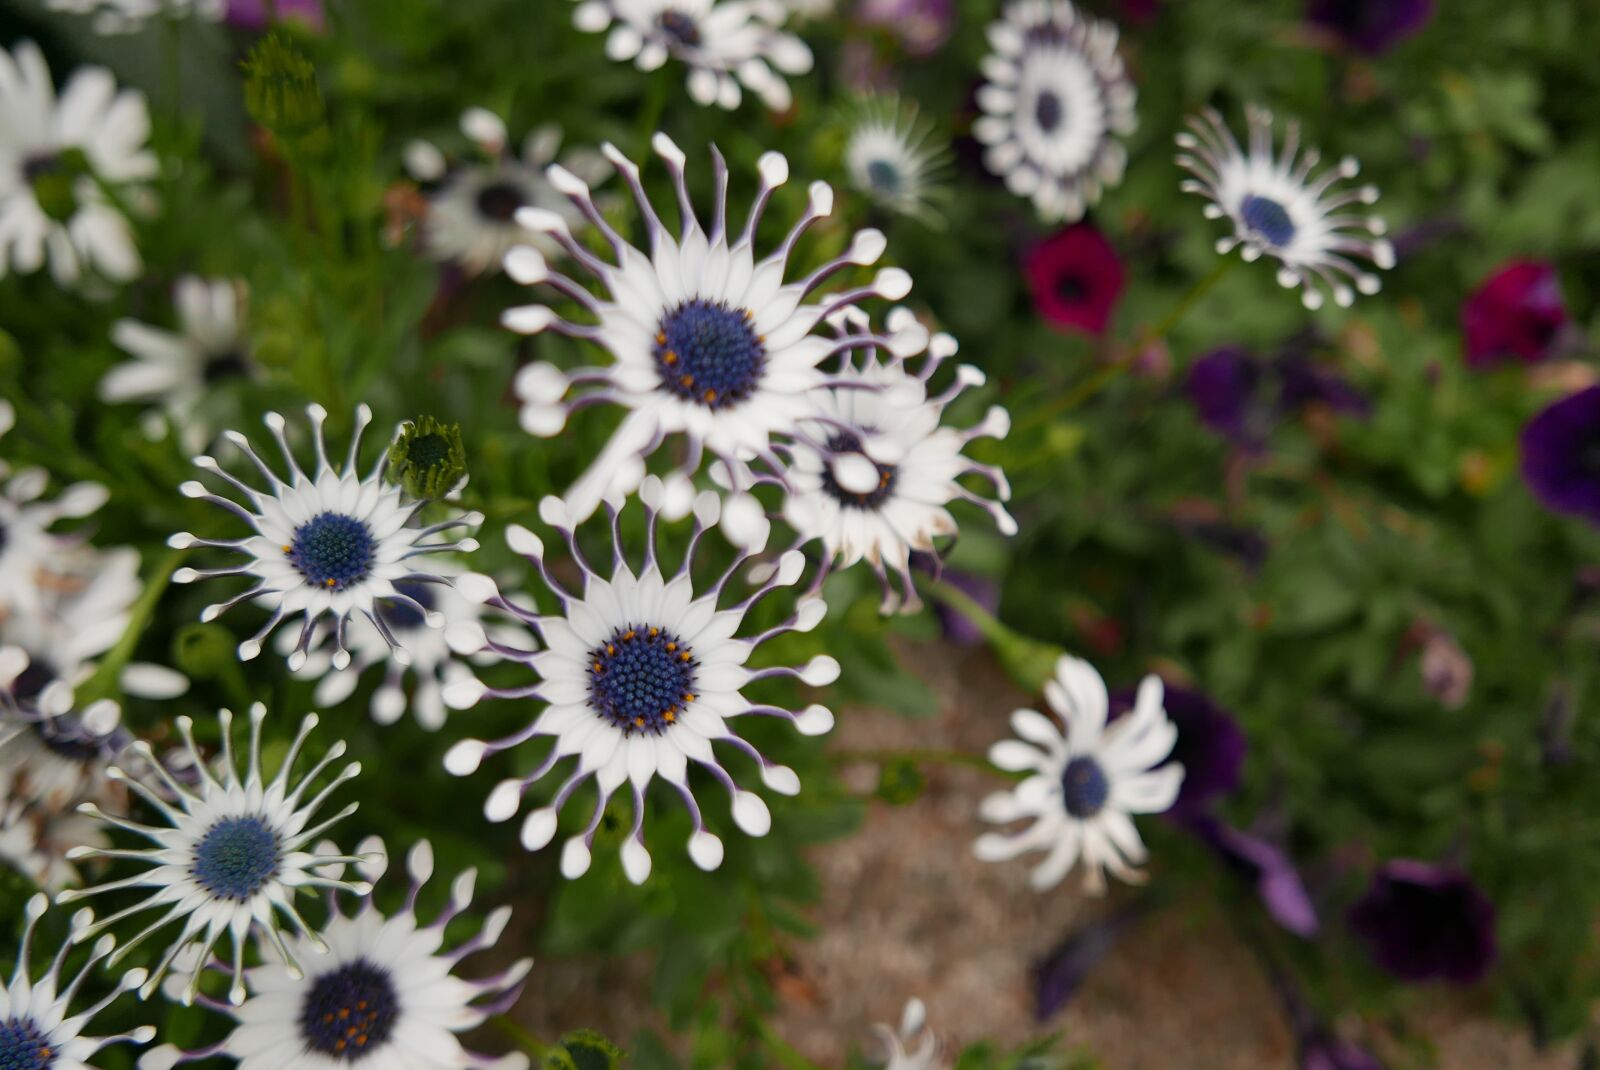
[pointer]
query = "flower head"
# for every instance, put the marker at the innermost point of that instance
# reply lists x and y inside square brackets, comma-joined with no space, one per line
[473,204]
[52,751]
[1422,922]
[375,990]
[1086,780]
[326,544]
[911,1046]
[1561,455]
[1279,210]
[638,676]
[1056,102]
[1517,313]
[892,157]
[872,470]
[232,855]
[1076,279]
[706,340]
[179,369]
[1373,26]
[39,1030]
[722,42]
[54,155]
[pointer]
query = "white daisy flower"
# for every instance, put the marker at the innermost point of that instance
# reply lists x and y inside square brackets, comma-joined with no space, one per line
[39,1030]
[54,157]
[131,16]
[35,843]
[53,753]
[1279,210]
[178,369]
[912,1046]
[472,206]
[233,856]
[706,341]
[1086,780]
[872,470]
[383,992]
[722,42]
[329,543]
[1056,101]
[438,655]
[893,158]
[638,677]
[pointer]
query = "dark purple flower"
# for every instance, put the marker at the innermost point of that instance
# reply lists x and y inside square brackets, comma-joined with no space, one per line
[1140,11]
[1517,313]
[1303,382]
[1063,971]
[1210,747]
[255,14]
[1283,894]
[922,26]
[1076,278]
[1561,455]
[1321,1050]
[1373,26]
[1223,386]
[1422,921]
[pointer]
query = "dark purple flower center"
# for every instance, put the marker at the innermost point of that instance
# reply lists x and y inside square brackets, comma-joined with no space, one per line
[24,1046]
[1071,288]
[1269,219]
[349,1012]
[33,680]
[499,201]
[332,550]
[1048,111]
[236,858]
[680,29]
[641,679]
[709,353]
[220,367]
[845,442]
[1084,788]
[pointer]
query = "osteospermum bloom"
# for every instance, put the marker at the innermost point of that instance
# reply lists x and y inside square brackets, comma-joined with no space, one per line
[872,470]
[54,154]
[376,991]
[232,855]
[39,1030]
[1279,210]
[178,369]
[638,677]
[473,204]
[892,157]
[706,341]
[912,1046]
[1086,780]
[722,42]
[327,544]
[1056,103]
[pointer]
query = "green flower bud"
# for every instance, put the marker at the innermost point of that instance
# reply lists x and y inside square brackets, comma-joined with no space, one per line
[280,88]
[428,459]
[583,1050]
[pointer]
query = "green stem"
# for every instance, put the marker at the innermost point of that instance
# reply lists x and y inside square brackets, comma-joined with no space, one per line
[106,679]
[523,1039]
[1187,302]
[655,104]
[1029,661]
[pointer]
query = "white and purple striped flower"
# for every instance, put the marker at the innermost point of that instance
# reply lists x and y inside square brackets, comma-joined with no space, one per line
[639,676]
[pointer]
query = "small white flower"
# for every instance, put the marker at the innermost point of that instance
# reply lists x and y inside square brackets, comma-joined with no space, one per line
[1056,102]
[706,341]
[329,543]
[1085,780]
[178,369]
[893,158]
[913,1046]
[382,992]
[38,1027]
[1279,210]
[472,206]
[131,16]
[638,677]
[54,155]
[232,856]
[54,755]
[722,42]
[872,471]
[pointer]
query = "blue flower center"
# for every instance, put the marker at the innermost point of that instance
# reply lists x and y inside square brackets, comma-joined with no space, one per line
[884,176]
[845,442]
[1048,111]
[1084,787]
[401,617]
[24,1046]
[349,1013]
[641,679]
[680,29]
[709,353]
[1269,219]
[332,550]
[68,739]
[236,858]
[499,201]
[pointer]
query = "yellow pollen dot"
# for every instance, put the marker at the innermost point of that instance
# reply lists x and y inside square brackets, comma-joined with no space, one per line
[686,381]
[331,582]
[638,722]
[661,338]
[670,357]
[670,716]
[599,667]
[655,632]
[684,656]
[629,636]
[288,549]
[671,647]
[711,395]
[611,650]
[688,696]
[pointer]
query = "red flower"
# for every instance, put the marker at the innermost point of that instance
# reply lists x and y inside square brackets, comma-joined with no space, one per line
[1076,279]
[1518,313]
